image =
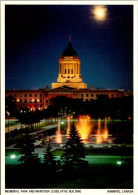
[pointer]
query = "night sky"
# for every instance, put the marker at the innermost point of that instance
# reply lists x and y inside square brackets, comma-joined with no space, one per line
[36,36]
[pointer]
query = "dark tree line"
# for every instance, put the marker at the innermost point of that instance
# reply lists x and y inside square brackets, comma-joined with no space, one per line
[103,106]
[61,105]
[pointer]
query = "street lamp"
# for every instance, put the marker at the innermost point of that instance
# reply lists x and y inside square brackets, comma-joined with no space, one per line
[119,162]
[13,156]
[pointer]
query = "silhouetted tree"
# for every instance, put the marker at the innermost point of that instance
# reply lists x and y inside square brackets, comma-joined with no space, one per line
[10,105]
[49,159]
[49,163]
[29,157]
[74,152]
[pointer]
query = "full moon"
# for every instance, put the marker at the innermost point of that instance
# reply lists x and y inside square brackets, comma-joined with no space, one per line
[100,12]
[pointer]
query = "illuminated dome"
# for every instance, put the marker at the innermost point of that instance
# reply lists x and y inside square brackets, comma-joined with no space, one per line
[69,69]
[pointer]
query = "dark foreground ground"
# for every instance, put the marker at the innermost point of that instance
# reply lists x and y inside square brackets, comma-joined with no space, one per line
[89,177]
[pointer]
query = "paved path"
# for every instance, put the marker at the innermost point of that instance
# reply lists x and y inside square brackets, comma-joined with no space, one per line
[44,129]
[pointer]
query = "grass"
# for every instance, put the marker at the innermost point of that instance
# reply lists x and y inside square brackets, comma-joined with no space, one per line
[102,151]
[12,124]
[93,177]
[89,152]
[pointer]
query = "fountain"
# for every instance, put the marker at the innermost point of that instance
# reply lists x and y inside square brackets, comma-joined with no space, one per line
[105,133]
[58,135]
[102,134]
[68,128]
[84,127]
[99,133]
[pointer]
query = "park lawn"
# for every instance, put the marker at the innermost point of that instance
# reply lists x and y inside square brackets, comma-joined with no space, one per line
[128,151]
[89,152]
[92,177]
[12,124]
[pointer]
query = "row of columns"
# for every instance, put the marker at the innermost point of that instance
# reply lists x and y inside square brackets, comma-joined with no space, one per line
[69,68]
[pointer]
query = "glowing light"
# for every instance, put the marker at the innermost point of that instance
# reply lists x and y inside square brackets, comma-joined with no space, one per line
[119,162]
[88,117]
[99,136]
[58,135]
[37,100]
[100,12]
[105,133]
[102,134]
[13,156]
[62,122]
[84,127]
[68,128]
[32,100]
[129,118]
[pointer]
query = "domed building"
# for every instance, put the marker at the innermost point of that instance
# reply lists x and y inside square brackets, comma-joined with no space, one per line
[69,84]
[69,69]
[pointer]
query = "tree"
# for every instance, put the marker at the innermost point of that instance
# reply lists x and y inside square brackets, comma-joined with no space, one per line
[48,159]
[10,105]
[29,157]
[74,152]
[49,163]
